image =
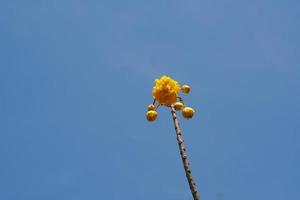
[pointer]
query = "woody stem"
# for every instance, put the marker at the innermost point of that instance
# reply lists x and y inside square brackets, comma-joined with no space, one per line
[184,158]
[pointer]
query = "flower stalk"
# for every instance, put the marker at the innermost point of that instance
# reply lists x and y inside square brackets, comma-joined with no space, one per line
[184,157]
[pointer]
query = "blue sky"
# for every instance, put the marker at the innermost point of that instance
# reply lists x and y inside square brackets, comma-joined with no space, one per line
[76,78]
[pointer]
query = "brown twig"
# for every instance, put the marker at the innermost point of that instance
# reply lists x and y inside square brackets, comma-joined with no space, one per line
[185,161]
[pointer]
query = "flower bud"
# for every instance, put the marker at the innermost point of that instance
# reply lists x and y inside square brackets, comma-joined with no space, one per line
[151,115]
[185,89]
[188,112]
[151,107]
[178,106]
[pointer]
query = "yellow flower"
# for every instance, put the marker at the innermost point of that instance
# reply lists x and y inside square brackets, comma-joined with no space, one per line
[165,90]
[151,115]
[188,112]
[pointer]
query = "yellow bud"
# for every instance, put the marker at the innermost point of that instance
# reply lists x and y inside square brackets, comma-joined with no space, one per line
[185,89]
[151,107]
[151,115]
[188,112]
[178,106]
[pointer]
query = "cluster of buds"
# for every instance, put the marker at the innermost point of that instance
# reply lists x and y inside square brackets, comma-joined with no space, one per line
[187,112]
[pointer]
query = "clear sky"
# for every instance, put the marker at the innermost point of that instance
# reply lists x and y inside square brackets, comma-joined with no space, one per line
[76,78]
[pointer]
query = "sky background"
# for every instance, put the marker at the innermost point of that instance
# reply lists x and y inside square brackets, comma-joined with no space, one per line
[76,78]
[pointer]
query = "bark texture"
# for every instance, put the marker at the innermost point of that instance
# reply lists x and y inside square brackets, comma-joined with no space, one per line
[185,161]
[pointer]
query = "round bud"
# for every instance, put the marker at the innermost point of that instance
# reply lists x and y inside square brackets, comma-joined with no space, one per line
[188,112]
[178,106]
[151,115]
[185,89]
[151,107]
